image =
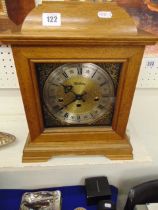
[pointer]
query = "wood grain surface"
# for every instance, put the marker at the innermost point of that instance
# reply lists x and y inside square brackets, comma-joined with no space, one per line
[80,25]
[25,57]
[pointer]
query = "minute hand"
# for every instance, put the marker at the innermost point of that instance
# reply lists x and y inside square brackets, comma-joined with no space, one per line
[67,104]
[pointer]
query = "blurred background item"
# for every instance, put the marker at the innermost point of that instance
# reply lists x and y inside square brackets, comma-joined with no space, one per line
[152,5]
[6,138]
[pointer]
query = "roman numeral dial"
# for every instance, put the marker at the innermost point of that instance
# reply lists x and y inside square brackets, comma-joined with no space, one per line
[78,93]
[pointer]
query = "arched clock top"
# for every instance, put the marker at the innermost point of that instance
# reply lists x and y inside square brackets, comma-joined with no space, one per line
[81,19]
[82,23]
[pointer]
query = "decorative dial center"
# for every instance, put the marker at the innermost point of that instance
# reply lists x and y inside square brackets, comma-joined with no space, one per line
[80,98]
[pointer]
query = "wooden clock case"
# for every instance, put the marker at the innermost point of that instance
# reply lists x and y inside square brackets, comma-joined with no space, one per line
[82,37]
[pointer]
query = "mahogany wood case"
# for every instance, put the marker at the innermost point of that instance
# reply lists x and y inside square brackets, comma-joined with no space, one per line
[82,37]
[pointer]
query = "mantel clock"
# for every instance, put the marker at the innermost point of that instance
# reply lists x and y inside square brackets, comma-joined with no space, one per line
[77,78]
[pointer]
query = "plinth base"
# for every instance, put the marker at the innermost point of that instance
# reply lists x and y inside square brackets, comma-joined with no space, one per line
[42,151]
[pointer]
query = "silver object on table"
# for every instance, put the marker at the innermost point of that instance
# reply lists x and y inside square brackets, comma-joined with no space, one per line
[6,138]
[41,200]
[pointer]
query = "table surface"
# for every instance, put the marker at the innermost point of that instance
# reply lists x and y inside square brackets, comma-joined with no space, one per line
[72,197]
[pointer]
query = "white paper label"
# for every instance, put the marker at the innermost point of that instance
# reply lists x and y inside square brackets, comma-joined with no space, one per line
[107,205]
[105,14]
[51,19]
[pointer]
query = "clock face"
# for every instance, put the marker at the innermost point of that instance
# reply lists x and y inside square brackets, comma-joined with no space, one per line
[75,94]
[78,93]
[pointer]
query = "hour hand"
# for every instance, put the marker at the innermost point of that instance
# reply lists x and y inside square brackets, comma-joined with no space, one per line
[67,88]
